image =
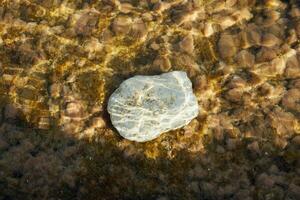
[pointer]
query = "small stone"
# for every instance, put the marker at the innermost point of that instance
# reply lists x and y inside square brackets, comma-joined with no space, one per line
[269,40]
[254,147]
[220,149]
[234,95]
[232,144]
[143,107]
[138,29]
[265,55]
[126,8]
[147,17]
[162,63]
[194,187]
[265,180]
[74,109]
[86,24]
[98,122]
[208,29]
[55,90]
[296,140]
[10,112]
[292,69]
[121,25]
[245,59]
[187,44]
[294,190]
[227,46]
[290,100]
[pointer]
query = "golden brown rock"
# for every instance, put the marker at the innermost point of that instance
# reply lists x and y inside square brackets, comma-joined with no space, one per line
[283,122]
[138,29]
[292,69]
[245,59]
[269,40]
[86,23]
[234,95]
[163,63]
[265,55]
[226,46]
[121,25]
[187,44]
[291,100]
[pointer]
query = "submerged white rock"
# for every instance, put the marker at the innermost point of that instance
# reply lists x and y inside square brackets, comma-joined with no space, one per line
[143,107]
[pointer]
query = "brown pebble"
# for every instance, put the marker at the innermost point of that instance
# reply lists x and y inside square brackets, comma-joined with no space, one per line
[232,144]
[291,100]
[292,69]
[234,95]
[294,190]
[10,112]
[220,149]
[264,180]
[297,28]
[280,142]
[44,123]
[138,29]
[147,17]
[296,140]
[98,122]
[187,44]
[254,147]
[126,8]
[283,122]
[292,38]
[55,90]
[86,24]
[218,133]
[163,63]
[295,11]
[74,109]
[269,40]
[121,25]
[253,35]
[226,46]
[265,55]
[201,83]
[208,29]
[245,59]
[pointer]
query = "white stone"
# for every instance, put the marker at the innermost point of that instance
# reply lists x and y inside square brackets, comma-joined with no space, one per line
[143,107]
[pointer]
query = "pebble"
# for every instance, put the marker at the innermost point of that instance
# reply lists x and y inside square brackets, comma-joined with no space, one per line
[254,147]
[187,44]
[265,180]
[232,144]
[226,46]
[291,99]
[296,140]
[74,109]
[143,107]
[292,69]
[55,90]
[121,25]
[98,122]
[294,190]
[245,59]
[163,63]
[10,112]
[269,40]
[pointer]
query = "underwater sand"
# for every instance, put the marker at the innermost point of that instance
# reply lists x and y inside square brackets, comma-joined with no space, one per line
[60,60]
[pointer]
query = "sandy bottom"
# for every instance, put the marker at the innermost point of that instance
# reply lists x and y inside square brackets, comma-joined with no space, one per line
[60,60]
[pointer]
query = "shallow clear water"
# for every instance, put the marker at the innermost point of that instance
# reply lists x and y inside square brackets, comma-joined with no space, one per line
[61,60]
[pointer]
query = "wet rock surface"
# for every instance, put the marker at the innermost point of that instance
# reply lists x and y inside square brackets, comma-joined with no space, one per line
[143,107]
